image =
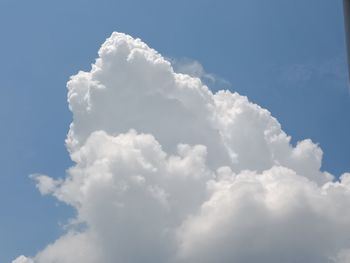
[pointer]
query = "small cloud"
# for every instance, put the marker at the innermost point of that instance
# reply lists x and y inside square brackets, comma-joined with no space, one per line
[329,70]
[22,259]
[45,184]
[195,69]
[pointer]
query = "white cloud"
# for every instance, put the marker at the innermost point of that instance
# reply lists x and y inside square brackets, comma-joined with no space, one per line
[47,185]
[22,259]
[276,216]
[167,171]
[195,69]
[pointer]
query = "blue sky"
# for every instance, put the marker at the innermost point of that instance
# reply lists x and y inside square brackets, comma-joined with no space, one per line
[287,56]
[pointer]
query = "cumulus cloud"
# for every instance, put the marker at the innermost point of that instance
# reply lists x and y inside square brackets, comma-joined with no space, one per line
[168,171]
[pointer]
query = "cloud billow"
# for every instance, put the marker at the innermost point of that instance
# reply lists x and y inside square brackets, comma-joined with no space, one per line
[168,171]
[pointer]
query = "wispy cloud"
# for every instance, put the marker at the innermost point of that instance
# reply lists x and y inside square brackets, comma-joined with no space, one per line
[333,70]
[195,69]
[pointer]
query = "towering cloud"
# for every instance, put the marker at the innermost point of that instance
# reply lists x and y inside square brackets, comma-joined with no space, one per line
[166,171]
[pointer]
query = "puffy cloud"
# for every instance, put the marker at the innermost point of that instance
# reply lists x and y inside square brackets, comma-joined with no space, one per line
[276,216]
[47,184]
[168,171]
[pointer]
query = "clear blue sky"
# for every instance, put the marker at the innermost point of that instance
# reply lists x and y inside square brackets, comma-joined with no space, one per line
[287,56]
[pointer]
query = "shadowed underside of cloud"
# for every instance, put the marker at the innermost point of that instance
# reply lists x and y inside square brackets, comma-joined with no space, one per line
[167,171]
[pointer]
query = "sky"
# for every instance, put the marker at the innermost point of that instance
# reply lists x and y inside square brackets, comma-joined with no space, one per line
[286,56]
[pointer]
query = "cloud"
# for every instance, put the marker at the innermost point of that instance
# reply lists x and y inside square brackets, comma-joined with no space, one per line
[195,69]
[168,171]
[22,259]
[333,69]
